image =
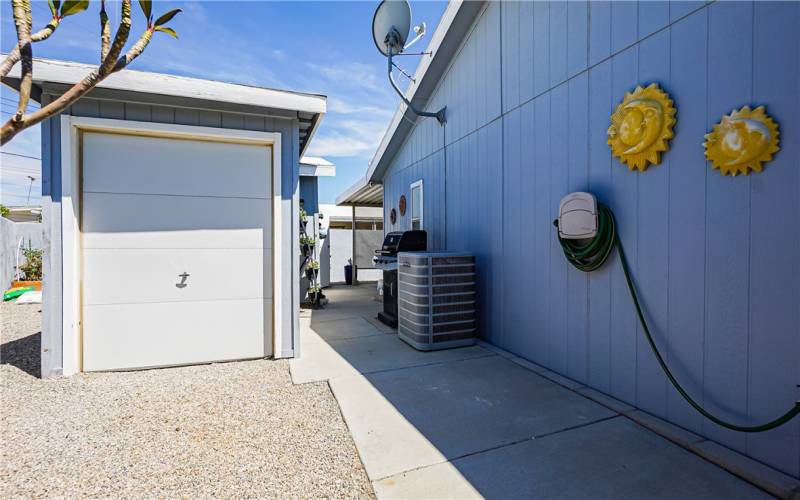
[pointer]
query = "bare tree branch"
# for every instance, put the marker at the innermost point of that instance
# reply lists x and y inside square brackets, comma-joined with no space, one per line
[43,34]
[111,60]
[12,127]
[105,32]
[134,51]
[22,21]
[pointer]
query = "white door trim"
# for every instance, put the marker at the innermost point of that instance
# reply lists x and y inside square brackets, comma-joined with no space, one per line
[71,154]
[421,187]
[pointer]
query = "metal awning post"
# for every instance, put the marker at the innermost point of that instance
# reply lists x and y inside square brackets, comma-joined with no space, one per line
[354,267]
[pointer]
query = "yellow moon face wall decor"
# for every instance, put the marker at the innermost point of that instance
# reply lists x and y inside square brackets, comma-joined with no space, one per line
[742,141]
[641,127]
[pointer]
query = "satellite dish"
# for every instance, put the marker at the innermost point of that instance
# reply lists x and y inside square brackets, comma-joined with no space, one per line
[391,25]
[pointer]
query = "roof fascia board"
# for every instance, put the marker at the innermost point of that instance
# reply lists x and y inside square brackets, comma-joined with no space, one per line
[354,188]
[311,132]
[172,101]
[456,22]
[69,73]
[317,170]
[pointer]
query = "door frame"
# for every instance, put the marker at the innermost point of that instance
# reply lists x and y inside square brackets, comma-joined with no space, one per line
[72,129]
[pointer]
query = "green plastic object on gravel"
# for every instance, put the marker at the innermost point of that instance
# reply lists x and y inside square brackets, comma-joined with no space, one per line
[590,256]
[16,292]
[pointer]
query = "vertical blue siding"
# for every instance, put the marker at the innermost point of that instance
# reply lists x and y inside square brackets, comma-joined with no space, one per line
[308,194]
[774,272]
[529,96]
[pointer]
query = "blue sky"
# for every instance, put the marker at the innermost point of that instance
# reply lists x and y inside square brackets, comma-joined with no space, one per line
[319,47]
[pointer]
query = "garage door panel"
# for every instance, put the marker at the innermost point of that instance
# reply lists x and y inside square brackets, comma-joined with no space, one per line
[131,336]
[125,276]
[156,221]
[115,163]
[153,209]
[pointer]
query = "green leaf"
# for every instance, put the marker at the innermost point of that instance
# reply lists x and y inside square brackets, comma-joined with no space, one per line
[168,31]
[70,7]
[147,8]
[54,4]
[167,17]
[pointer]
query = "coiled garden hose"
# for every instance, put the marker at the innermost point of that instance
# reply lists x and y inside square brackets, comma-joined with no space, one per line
[590,256]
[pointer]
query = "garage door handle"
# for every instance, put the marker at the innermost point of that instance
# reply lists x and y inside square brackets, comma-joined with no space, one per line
[183,276]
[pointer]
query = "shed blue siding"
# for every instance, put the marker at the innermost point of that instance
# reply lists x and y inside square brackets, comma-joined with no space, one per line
[529,96]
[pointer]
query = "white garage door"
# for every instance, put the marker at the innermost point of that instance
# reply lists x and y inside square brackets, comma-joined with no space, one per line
[177,251]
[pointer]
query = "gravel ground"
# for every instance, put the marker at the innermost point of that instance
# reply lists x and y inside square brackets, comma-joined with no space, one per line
[230,429]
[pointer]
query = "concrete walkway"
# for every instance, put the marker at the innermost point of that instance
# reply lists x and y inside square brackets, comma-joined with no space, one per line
[477,421]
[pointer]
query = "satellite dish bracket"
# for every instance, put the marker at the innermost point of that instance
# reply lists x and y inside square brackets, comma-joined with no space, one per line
[439,115]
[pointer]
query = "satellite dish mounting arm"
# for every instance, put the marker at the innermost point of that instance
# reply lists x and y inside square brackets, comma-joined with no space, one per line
[439,115]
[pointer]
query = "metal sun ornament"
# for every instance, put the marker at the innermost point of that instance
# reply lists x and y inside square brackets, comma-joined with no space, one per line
[641,127]
[742,141]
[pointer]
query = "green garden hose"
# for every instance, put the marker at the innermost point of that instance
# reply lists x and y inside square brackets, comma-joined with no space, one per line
[590,256]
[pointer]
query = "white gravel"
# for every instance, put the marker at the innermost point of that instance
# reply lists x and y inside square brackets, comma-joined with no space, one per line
[231,429]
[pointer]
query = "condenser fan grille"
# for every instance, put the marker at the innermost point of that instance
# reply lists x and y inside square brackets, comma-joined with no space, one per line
[436,307]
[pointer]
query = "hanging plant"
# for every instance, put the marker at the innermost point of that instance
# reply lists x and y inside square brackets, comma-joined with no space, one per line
[307,245]
[314,295]
[303,219]
[312,269]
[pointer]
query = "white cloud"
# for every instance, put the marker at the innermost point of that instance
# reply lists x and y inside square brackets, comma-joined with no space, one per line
[351,74]
[348,138]
[336,105]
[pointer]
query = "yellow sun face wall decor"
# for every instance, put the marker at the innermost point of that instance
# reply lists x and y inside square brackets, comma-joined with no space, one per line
[742,141]
[641,127]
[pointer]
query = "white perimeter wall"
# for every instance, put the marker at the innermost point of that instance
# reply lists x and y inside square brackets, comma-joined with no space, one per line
[10,234]
[341,246]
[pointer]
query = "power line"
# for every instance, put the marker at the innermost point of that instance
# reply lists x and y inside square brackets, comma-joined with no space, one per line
[23,156]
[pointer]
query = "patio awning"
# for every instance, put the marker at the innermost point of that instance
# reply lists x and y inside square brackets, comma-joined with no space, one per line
[362,194]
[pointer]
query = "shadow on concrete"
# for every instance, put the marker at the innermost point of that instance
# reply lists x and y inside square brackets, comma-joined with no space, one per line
[470,422]
[24,353]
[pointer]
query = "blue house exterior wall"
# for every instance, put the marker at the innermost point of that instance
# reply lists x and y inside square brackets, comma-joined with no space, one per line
[529,96]
[309,194]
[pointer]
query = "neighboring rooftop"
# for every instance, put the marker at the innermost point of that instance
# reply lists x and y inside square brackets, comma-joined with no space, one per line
[30,213]
[307,108]
[344,213]
[362,193]
[314,166]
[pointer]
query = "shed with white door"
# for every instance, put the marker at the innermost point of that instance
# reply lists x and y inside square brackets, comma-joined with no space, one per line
[170,208]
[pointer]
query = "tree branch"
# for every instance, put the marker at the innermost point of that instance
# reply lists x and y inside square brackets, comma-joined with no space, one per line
[134,51]
[108,66]
[105,32]
[13,57]
[22,21]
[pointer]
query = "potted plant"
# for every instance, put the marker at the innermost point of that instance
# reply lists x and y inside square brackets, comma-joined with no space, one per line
[312,269]
[307,244]
[314,295]
[30,273]
[303,219]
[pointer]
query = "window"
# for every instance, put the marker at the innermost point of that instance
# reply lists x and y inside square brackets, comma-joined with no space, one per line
[416,205]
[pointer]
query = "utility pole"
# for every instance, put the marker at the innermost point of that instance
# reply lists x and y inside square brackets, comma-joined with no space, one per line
[32,178]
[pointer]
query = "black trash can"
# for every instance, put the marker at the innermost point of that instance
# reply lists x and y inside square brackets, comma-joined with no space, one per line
[348,274]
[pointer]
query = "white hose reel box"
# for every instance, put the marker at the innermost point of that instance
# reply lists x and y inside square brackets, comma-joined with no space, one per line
[577,216]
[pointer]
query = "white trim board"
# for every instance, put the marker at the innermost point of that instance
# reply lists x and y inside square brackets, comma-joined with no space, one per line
[71,127]
[421,187]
